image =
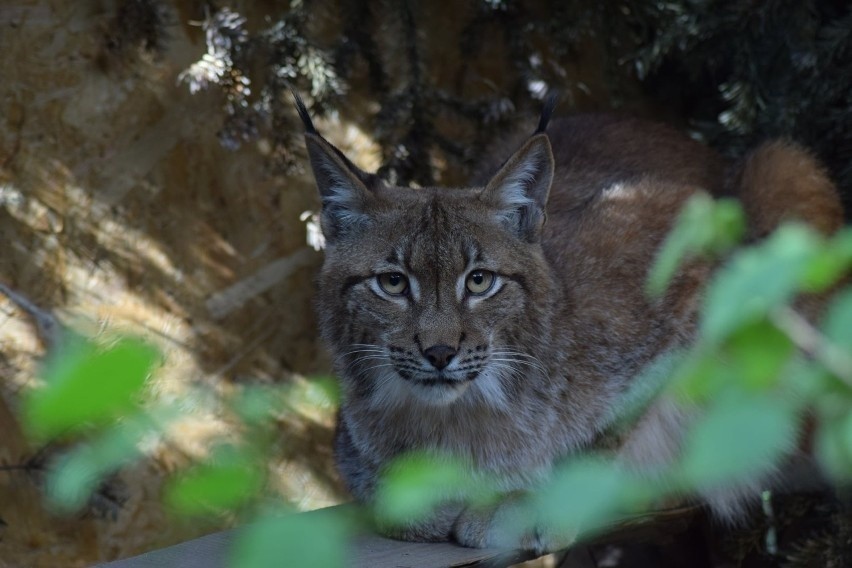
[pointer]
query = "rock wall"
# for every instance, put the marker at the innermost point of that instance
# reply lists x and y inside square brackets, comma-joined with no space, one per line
[121,213]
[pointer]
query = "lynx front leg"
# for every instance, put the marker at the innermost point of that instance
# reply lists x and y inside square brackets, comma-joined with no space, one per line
[509,524]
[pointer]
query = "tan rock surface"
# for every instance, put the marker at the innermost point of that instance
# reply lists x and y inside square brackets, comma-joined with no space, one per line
[121,213]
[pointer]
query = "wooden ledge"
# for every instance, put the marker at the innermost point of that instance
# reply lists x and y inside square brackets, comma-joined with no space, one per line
[373,551]
[365,551]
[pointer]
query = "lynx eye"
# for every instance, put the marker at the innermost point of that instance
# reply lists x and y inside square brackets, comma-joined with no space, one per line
[479,281]
[393,283]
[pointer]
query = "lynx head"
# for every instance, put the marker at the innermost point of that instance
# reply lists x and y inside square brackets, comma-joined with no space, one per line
[433,295]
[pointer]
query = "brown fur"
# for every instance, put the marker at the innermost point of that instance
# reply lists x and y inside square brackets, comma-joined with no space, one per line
[783,181]
[541,362]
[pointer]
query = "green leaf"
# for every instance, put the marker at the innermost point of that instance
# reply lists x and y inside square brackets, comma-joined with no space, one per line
[692,232]
[740,437]
[729,224]
[643,391]
[835,350]
[759,352]
[829,264]
[88,387]
[416,483]
[703,226]
[258,404]
[317,392]
[834,446]
[756,280]
[837,326]
[701,375]
[585,494]
[231,479]
[315,539]
[73,478]
[808,379]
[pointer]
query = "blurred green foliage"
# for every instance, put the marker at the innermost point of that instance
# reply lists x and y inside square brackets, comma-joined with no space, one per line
[97,399]
[586,494]
[226,481]
[757,367]
[703,227]
[88,388]
[417,482]
[286,538]
[759,364]
[757,280]
[739,437]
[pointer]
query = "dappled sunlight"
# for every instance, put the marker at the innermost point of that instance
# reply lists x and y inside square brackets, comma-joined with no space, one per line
[123,216]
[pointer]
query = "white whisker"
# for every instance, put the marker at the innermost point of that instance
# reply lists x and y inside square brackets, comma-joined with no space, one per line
[356,351]
[531,364]
[509,352]
[370,358]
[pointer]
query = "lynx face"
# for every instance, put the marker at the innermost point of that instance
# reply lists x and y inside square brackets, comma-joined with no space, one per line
[426,299]
[423,290]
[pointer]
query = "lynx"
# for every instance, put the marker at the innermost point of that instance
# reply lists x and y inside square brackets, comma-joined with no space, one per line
[501,322]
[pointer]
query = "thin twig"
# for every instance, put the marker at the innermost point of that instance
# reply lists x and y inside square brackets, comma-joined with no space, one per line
[812,342]
[49,328]
[26,467]
[254,344]
[34,463]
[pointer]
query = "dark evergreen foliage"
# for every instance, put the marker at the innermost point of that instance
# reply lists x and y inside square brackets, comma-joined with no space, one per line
[137,31]
[734,72]
[745,71]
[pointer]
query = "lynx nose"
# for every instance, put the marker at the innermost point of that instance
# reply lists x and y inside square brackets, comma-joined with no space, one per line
[439,355]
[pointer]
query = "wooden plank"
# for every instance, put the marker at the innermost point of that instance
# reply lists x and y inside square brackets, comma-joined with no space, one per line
[365,551]
[210,551]
[374,551]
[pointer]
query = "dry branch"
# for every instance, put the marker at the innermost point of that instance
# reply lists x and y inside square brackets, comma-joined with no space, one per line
[226,301]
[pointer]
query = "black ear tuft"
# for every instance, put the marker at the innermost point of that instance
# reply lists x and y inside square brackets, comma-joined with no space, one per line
[303,113]
[547,112]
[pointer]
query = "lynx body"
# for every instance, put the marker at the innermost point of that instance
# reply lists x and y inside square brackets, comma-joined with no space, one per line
[502,322]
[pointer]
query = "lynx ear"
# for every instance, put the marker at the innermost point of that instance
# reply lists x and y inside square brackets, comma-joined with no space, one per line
[520,188]
[343,187]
